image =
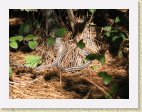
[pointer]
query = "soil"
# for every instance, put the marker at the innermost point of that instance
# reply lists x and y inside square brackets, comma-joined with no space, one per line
[83,84]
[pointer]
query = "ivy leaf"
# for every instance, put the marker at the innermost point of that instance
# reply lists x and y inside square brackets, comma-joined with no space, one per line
[32,44]
[81,44]
[29,37]
[100,58]
[13,44]
[60,32]
[117,19]
[115,38]
[107,28]
[102,74]
[32,61]
[50,41]
[92,10]
[107,34]
[91,56]
[106,78]
[114,88]
[16,38]
[122,35]
[114,31]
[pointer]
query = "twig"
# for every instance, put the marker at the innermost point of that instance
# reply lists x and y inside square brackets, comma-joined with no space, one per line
[60,74]
[25,82]
[88,94]
[18,89]
[105,92]
[126,66]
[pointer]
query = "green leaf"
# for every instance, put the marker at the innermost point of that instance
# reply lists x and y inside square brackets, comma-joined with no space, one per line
[91,56]
[81,44]
[107,34]
[94,67]
[21,29]
[117,20]
[84,60]
[100,58]
[29,37]
[106,78]
[122,36]
[32,44]
[115,38]
[114,88]
[13,45]
[92,10]
[107,28]
[10,72]
[114,31]
[16,38]
[102,74]
[120,54]
[32,61]
[60,32]
[25,29]
[50,41]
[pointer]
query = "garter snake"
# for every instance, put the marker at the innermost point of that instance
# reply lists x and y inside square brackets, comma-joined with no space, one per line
[70,68]
[61,52]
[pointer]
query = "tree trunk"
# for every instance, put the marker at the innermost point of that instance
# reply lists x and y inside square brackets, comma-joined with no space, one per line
[51,21]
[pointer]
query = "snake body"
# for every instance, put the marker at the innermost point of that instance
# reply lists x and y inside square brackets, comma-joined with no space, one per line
[70,68]
[61,51]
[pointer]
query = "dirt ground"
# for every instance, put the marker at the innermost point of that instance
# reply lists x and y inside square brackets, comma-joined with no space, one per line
[54,84]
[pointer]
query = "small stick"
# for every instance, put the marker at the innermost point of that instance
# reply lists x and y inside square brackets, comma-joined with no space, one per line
[60,74]
[88,94]
[105,92]
[126,66]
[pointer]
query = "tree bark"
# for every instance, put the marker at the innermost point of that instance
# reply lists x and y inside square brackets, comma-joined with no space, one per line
[51,21]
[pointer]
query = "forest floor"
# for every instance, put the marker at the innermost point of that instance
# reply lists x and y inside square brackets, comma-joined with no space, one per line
[52,83]
[83,84]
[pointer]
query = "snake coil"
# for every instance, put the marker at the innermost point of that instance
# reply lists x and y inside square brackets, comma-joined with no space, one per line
[61,51]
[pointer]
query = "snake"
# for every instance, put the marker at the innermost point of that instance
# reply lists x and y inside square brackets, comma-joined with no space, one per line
[69,69]
[61,51]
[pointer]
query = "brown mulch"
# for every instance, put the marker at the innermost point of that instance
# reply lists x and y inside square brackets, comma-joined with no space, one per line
[73,85]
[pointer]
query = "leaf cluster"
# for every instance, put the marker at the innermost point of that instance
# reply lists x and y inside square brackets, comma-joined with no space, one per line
[32,61]
[99,57]
[31,39]
[106,78]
